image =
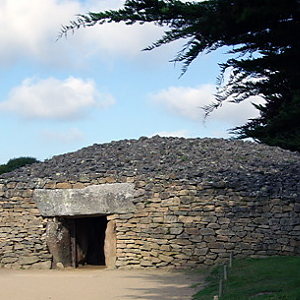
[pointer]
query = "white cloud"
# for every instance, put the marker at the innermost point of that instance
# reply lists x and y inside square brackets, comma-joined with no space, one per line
[29,30]
[71,136]
[51,98]
[236,113]
[178,133]
[115,40]
[187,102]
[184,101]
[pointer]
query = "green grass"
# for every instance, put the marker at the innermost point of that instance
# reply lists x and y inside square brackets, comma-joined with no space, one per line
[276,278]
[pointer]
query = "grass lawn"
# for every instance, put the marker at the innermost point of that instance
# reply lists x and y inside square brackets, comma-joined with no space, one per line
[265,278]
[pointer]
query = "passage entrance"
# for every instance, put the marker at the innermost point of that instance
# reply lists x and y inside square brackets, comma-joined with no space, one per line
[87,240]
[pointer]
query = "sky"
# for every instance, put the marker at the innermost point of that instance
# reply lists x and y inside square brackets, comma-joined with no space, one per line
[97,85]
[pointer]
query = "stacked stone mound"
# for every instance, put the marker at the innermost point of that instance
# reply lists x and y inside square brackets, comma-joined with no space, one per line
[195,201]
[240,165]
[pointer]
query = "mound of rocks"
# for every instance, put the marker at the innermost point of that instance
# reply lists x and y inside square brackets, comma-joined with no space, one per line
[241,165]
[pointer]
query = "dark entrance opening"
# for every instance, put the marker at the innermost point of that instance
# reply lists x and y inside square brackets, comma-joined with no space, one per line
[87,241]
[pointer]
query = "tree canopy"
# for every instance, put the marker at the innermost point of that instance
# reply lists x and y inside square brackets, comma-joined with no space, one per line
[16,163]
[263,36]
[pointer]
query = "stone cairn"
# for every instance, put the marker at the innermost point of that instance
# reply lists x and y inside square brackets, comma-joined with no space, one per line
[196,201]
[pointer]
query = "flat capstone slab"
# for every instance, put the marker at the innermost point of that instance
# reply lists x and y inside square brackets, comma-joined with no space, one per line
[101,199]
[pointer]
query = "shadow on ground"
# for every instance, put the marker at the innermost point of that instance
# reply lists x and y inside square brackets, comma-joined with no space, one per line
[171,285]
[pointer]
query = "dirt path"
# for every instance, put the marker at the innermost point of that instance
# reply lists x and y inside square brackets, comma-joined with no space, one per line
[97,284]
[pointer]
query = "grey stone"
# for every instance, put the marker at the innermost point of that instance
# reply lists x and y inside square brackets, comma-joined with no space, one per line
[8,260]
[46,265]
[201,252]
[110,247]
[28,260]
[59,266]
[146,263]
[92,200]
[58,241]
[207,231]
[166,258]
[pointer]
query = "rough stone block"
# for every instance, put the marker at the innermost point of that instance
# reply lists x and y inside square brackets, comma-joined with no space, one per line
[8,260]
[207,231]
[28,260]
[94,199]
[192,231]
[176,230]
[46,265]
[63,185]
[208,262]
[166,258]
[297,207]
[201,252]
[213,226]
[146,263]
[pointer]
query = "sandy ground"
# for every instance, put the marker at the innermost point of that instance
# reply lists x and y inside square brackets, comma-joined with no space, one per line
[97,284]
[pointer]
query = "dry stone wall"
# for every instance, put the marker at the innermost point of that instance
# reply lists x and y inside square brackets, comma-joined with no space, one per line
[195,202]
[22,228]
[176,223]
[181,224]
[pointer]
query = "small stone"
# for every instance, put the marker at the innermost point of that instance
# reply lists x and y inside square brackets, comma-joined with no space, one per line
[146,263]
[60,266]
[63,185]
[166,258]
[201,252]
[176,230]
[207,231]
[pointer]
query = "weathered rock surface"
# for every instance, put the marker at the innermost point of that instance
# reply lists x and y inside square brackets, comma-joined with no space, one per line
[58,242]
[92,200]
[110,247]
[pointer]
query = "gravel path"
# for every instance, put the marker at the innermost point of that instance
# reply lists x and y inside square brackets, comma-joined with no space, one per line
[97,284]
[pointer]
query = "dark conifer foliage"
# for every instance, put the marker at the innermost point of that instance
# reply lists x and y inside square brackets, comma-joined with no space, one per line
[16,163]
[264,41]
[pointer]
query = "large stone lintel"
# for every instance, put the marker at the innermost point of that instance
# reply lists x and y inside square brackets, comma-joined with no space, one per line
[93,200]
